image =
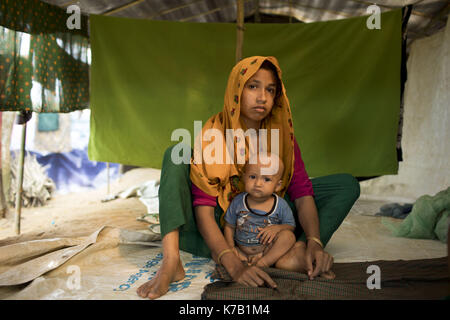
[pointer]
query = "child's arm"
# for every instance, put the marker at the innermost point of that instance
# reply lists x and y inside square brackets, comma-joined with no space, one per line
[229,234]
[285,227]
[267,234]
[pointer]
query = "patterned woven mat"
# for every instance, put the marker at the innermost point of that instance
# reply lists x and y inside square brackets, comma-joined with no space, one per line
[403,280]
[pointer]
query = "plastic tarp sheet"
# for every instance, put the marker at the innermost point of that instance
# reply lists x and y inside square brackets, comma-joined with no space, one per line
[63,152]
[109,264]
[342,80]
[426,151]
[73,171]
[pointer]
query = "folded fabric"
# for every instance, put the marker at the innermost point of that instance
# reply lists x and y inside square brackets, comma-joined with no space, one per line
[414,279]
[395,210]
[427,220]
[147,193]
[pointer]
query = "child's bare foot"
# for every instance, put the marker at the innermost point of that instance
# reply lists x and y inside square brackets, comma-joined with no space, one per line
[253,259]
[241,255]
[171,270]
[262,263]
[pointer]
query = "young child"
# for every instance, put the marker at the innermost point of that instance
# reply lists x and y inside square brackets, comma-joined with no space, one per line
[259,224]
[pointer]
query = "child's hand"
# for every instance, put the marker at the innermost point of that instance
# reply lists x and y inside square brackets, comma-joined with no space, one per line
[268,234]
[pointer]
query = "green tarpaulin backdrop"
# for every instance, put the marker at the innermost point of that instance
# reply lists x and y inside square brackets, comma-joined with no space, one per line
[149,78]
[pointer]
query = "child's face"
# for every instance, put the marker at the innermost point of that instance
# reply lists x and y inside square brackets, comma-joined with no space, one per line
[258,97]
[258,185]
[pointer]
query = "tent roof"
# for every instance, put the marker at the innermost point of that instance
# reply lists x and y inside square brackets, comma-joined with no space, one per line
[427,17]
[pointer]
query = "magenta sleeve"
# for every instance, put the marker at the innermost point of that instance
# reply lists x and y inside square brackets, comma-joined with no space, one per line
[200,198]
[300,185]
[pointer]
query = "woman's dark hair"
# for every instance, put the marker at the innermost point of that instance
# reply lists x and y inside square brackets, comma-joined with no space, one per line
[267,65]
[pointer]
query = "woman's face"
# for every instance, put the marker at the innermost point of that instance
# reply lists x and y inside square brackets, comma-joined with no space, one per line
[257,98]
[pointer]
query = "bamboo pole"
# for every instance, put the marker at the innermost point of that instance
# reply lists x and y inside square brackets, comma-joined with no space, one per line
[65,5]
[240,29]
[210,11]
[7,126]
[167,11]
[122,7]
[20,180]
[2,199]
[298,5]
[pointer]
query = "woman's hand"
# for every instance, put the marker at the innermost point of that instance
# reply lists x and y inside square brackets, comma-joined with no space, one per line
[318,261]
[252,276]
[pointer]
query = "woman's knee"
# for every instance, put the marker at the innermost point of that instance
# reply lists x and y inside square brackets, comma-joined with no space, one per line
[350,184]
[177,158]
[179,153]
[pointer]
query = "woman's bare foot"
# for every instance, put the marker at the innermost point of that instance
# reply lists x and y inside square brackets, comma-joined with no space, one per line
[294,259]
[330,275]
[171,270]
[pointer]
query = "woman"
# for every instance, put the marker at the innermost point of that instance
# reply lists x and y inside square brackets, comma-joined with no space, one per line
[193,198]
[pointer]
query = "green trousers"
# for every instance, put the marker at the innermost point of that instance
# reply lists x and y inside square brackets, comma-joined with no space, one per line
[334,196]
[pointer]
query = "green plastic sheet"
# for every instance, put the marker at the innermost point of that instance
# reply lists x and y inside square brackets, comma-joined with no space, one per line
[149,78]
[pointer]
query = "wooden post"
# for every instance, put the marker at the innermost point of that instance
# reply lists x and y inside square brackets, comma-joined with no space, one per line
[20,180]
[7,126]
[240,29]
[2,199]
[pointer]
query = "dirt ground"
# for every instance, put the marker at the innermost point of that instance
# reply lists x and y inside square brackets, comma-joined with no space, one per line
[80,214]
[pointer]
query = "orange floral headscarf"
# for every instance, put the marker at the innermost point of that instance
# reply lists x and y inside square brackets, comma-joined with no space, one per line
[221,179]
